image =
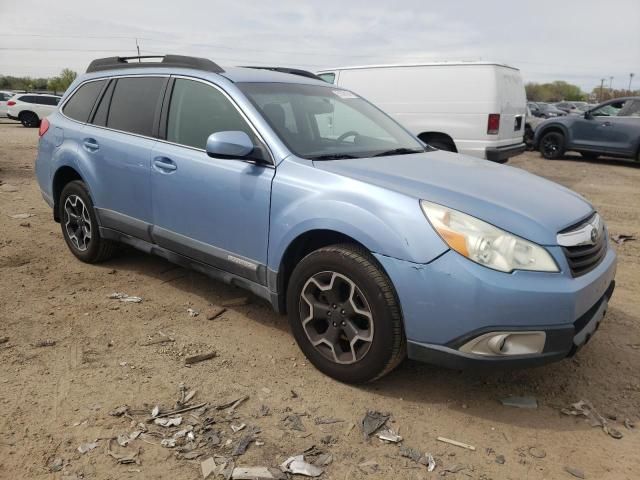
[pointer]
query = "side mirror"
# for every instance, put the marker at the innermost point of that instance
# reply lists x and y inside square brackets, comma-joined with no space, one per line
[588,115]
[231,144]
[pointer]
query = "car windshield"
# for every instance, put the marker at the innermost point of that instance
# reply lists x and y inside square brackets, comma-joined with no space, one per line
[325,123]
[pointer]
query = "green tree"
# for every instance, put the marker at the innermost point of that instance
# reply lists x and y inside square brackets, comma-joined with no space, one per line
[553,92]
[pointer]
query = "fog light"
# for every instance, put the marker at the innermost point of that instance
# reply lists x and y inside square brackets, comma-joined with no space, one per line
[499,344]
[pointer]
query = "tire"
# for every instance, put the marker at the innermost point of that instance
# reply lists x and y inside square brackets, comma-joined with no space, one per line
[552,145]
[589,155]
[29,120]
[379,343]
[76,213]
[528,137]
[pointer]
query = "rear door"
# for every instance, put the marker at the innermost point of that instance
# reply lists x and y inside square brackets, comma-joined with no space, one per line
[117,145]
[512,104]
[213,210]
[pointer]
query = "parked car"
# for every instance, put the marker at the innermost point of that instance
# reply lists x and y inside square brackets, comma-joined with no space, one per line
[570,107]
[612,128]
[4,98]
[546,110]
[31,108]
[475,108]
[304,193]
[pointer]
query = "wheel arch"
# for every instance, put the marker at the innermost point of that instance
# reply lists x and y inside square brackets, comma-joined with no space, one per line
[433,135]
[61,178]
[541,131]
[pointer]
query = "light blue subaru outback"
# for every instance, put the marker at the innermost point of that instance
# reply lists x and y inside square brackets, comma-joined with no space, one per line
[376,245]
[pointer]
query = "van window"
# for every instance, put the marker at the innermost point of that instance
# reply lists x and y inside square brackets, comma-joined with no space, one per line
[134,104]
[80,104]
[328,77]
[197,110]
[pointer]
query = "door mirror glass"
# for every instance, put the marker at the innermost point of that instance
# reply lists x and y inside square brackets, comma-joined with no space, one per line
[229,144]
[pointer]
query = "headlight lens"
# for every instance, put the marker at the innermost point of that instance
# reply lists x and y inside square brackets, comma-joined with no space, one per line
[485,244]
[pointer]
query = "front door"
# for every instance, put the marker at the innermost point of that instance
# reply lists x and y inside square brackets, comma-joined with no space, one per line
[213,210]
[610,128]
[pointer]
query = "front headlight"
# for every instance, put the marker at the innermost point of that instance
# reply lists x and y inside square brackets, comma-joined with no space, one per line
[485,244]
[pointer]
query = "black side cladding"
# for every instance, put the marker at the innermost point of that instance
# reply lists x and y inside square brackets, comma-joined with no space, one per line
[172,61]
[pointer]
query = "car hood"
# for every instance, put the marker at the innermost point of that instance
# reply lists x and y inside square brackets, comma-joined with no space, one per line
[507,197]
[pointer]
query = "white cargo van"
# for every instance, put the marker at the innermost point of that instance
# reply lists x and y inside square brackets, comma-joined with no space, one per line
[476,108]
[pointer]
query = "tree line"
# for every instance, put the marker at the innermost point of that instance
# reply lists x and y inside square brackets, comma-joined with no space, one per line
[560,91]
[57,84]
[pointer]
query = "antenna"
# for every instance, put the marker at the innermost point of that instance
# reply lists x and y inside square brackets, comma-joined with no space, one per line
[138,48]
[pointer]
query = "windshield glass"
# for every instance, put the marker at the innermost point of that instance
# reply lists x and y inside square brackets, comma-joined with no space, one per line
[319,122]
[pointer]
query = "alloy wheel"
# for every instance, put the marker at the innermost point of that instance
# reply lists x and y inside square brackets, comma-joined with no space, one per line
[77,222]
[336,317]
[550,146]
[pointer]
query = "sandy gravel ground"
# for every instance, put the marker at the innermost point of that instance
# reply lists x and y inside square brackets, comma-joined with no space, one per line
[56,398]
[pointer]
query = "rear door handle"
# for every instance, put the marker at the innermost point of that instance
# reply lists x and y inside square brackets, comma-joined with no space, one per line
[90,144]
[164,165]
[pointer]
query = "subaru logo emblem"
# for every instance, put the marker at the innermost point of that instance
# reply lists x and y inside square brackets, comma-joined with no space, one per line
[594,235]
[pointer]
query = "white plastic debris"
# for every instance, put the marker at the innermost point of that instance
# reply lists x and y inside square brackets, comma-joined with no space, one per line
[155,412]
[298,466]
[388,435]
[168,422]
[192,312]
[237,428]
[123,297]
[87,447]
[431,463]
[22,216]
[168,442]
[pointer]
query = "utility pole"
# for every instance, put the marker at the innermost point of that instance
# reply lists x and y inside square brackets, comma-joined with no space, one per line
[610,84]
[631,75]
[601,86]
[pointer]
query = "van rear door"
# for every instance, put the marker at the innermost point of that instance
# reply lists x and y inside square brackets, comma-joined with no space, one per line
[512,102]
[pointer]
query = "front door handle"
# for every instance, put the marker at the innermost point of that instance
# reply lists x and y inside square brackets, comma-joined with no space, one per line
[607,124]
[90,144]
[164,165]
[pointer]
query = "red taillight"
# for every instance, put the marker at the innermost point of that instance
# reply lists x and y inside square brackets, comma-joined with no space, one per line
[10,103]
[44,126]
[493,124]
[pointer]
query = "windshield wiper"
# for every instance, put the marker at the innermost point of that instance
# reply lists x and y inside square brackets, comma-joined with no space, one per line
[332,156]
[398,151]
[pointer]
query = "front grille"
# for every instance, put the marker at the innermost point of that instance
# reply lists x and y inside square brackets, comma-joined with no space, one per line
[584,258]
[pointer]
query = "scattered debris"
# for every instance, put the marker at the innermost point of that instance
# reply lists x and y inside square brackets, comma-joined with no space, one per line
[163,339]
[520,402]
[629,425]
[236,302]
[215,312]
[456,443]
[586,409]
[368,467]
[25,224]
[168,422]
[537,452]
[123,297]
[177,411]
[22,216]
[453,469]
[500,459]
[45,343]
[388,435]
[192,313]
[168,442]
[257,473]
[56,465]
[431,463]
[243,444]
[264,411]
[416,456]
[575,472]
[294,422]
[373,421]
[87,447]
[621,238]
[298,466]
[119,411]
[199,358]
[323,460]
[155,412]
[123,459]
[327,420]
[233,404]
[237,428]
[208,466]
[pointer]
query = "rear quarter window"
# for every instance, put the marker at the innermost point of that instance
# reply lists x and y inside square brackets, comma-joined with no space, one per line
[79,106]
[135,104]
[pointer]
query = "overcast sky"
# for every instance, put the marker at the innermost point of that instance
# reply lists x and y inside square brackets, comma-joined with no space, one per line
[580,41]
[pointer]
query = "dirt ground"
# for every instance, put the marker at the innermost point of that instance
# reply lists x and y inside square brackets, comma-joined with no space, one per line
[55,398]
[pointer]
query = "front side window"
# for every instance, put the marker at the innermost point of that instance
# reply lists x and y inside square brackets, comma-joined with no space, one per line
[197,110]
[79,106]
[609,110]
[135,104]
[318,122]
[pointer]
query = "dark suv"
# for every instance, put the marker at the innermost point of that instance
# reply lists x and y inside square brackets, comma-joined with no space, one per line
[612,128]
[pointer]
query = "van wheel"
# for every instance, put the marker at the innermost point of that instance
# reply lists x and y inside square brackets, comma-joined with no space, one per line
[552,145]
[29,119]
[80,226]
[344,314]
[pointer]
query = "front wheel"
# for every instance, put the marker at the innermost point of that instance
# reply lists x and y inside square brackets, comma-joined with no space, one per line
[344,314]
[552,145]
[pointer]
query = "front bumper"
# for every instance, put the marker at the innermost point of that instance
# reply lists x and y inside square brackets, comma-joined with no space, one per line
[452,300]
[500,154]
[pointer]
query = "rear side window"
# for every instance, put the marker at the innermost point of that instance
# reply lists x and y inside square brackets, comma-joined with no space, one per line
[135,103]
[50,101]
[197,110]
[26,98]
[100,118]
[80,104]
[328,77]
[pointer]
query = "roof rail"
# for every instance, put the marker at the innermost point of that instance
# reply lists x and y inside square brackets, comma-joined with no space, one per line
[176,61]
[292,71]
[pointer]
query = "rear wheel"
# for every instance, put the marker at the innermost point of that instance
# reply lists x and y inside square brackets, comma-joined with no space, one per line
[29,119]
[552,145]
[344,314]
[80,226]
